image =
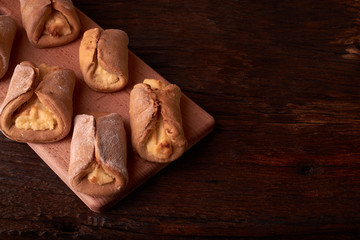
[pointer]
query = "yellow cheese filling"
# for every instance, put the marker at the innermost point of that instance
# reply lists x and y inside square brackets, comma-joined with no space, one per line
[104,78]
[57,25]
[156,85]
[100,176]
[35,116]
[45,69]
[158,144]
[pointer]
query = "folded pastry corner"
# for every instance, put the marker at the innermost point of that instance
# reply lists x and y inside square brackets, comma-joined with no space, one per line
[50,23]
[7,35]
[156,123]
[98,155]
[103,58]
[38,106]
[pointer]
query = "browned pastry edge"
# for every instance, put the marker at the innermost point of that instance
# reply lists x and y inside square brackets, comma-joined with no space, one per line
[7,34]
[145,105]
[98,139]
[109,49]
[34,14]
[54,91]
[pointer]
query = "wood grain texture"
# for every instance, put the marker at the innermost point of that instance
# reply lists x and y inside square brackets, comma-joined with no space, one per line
[281,79]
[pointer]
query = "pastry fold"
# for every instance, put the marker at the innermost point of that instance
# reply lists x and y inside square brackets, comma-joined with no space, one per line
[156,123]
[103,58]
[7,35]
[38,106]
[98,155]
[50,23]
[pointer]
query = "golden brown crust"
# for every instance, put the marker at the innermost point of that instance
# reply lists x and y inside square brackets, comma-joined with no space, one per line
[34,14]
[7,35]
[99,139]
[54,91]
[146,107]
[88,55]
[109,50]
[113,52]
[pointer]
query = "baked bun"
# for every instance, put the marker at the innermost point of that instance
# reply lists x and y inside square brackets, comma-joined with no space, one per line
[38,106]
[103,58]
[7,35]
[156,123]
[50,23]
[98,155]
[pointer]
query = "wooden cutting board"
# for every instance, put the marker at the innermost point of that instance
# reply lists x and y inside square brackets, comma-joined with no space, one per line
[197,123]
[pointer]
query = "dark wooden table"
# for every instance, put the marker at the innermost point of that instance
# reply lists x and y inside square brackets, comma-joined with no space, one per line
[282,80]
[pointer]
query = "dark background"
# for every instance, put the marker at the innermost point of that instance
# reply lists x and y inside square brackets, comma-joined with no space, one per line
[281,79]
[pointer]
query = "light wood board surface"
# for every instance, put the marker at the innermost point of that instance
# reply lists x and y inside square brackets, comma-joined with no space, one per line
[197,123]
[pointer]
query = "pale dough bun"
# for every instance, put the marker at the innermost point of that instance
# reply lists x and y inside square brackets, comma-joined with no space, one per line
[98,155]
